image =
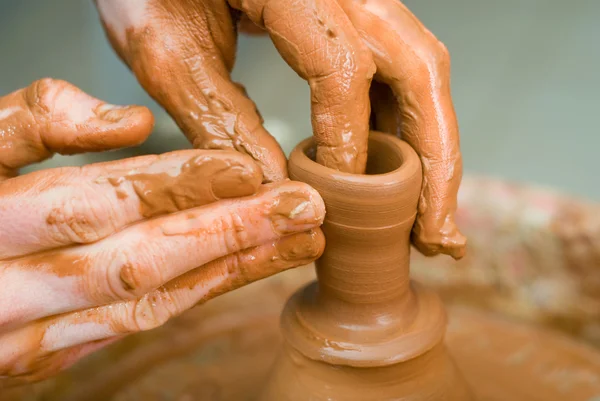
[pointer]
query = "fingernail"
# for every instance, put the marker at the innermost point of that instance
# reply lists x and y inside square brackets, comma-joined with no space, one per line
[111,112]
[297,211]
[236,181]
[306,246]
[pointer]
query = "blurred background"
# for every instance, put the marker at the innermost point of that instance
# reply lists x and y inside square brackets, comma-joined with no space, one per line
[525,81]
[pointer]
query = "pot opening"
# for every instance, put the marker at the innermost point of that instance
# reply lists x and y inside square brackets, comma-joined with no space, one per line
[382,158]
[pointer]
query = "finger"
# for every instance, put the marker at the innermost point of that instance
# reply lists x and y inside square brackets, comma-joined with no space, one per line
[53,335]
[146,255]
[318,41]
[53,116]
[182,53]
[417,68]
[240,269]
[59,207]
[197,286]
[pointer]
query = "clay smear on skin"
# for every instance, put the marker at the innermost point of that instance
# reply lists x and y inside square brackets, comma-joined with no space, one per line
[108,321]
[289,207]
[57,262]
[163,193]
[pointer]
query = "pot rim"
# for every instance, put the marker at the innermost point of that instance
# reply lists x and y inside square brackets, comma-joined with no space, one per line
[410,163]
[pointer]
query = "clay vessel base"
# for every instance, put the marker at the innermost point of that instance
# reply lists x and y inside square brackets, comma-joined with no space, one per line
[430,376]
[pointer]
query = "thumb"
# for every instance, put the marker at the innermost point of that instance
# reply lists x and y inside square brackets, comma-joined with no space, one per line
[52,116]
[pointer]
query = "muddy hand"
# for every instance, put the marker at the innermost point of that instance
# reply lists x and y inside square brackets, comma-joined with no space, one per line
[90,254]
[182,51]
[412,99]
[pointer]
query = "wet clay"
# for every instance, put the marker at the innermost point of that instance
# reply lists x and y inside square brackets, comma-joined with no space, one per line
[161,193]
[363,331]
[426,377]
[224,350]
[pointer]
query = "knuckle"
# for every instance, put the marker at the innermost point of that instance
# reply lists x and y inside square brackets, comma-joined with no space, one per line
[237,269]
[441,53]
[436,58]
[345,74]
[233,262]
[130,275]
[152,311]
[441,49]
[40,96]
[80,219]
[137,277]
[358,65]
[235,235]
[365,65]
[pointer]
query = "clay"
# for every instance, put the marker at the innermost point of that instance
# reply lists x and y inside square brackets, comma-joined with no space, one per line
[163,193]
[363,322]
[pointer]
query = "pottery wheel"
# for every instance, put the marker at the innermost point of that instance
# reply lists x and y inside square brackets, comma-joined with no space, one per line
[223,350]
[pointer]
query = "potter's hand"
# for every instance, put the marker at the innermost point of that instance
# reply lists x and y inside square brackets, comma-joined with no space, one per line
[90,254]
[182,52]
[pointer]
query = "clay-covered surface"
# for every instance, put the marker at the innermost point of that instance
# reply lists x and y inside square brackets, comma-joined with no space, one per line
[503,360]
[533,254]
[223,350]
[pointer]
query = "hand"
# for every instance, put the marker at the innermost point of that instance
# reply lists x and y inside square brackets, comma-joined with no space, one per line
[90,254]
[182,52]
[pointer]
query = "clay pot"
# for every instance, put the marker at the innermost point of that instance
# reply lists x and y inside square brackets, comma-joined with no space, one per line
[363,325]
